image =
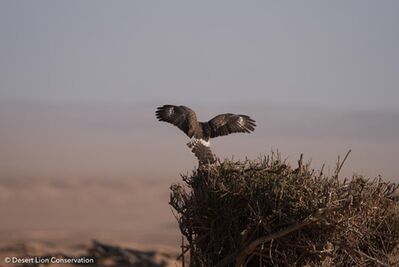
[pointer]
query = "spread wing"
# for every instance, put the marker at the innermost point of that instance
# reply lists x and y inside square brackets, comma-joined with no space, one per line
[180,116]
[225,124]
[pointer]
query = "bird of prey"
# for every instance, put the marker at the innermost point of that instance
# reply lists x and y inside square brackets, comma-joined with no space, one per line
[200,132]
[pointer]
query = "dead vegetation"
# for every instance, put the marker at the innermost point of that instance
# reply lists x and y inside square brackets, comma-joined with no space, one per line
[265,213]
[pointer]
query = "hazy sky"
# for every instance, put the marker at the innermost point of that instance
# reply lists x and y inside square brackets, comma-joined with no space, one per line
[80,80]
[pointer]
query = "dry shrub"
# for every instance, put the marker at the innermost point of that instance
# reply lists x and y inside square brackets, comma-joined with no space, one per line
[265,213]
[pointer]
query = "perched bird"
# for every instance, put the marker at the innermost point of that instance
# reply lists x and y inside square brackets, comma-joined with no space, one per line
[200,132]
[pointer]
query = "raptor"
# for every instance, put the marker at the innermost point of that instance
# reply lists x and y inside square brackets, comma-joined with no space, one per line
[201,132]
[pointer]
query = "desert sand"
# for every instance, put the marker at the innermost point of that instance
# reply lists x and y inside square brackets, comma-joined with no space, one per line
[48,215]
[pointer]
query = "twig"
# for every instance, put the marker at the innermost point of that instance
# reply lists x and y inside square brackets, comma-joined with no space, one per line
[300,163]
[372,259]
[339,165]
[321,171]
[182,251]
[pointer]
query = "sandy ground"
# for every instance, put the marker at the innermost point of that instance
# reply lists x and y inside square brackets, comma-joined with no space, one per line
[41,215]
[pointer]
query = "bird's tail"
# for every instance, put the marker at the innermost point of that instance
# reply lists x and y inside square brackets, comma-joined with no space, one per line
[202,151]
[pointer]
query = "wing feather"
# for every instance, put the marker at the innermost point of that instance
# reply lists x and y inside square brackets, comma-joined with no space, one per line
[228,123]
[182,117]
